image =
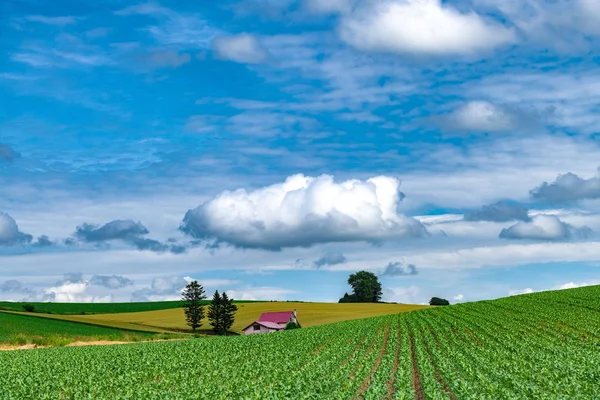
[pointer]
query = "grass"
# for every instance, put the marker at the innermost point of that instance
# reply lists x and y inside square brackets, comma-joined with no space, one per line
[309,314]
[17,329]
[94,308]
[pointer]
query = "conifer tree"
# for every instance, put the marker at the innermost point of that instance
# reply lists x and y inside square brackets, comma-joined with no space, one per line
[215,313]
[229,310]
[193,294]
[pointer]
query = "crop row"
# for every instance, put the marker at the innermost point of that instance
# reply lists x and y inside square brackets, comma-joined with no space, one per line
[516,348]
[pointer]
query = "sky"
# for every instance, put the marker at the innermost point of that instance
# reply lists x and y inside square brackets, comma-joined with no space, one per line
[270,148]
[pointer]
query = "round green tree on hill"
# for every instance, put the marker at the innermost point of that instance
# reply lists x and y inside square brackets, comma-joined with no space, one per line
[366,288]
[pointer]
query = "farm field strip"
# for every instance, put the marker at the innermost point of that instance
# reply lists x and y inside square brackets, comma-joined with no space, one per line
[173,319]
[472,350]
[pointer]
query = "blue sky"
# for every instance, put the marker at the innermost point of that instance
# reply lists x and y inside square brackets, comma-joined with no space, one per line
[271,148]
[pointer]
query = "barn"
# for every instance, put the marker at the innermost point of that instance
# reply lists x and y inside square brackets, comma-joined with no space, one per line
[271,322]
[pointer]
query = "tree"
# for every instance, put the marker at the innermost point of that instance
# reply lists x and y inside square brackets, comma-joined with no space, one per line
[366,286]
[221,313]
[229,310]
[215,315]
[348,298]
[193,294]
[436,301]
[29,307]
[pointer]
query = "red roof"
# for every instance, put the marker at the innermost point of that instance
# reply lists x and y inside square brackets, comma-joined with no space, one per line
[277,317]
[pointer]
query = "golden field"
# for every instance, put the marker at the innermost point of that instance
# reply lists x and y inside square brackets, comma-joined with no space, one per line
[309,314]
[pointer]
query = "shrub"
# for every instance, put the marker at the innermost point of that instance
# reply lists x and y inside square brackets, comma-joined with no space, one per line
[436,301]
[292,325]
[29,307]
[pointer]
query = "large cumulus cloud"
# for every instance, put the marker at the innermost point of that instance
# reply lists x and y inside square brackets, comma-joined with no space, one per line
[10,233]
[304,211]
[568,188]
[545,227]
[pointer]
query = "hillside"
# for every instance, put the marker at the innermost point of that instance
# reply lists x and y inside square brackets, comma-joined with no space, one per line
[536,346]
[309,314]
[98,308]
[23,329]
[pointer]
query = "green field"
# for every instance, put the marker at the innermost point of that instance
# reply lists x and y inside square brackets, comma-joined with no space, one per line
[96,308]
[23,329]
[309,314]
[538,346]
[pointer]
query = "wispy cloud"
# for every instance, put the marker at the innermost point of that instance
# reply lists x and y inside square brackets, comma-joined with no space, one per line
[58,21]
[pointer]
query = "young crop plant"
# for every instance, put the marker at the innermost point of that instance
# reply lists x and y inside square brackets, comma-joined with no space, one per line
[513,348]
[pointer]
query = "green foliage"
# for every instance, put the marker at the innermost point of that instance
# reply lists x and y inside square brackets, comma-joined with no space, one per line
[29,307]
[221,313]
[479,350]
[229,310]
[193,294]
[349,298]
[436,301]
[366,288]
[23,329]
[292,325]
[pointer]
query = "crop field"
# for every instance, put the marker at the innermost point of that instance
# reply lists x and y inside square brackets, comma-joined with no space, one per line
[537,346]
[309,314]
[20,330]
[97,308]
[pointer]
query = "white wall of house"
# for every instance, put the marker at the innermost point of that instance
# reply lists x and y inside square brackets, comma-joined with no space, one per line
[262,329]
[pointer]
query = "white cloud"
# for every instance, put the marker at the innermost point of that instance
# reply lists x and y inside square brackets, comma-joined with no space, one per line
[573,285]
[481,116]
[260,293]
[59,21]
[458,298]
[424,27]
[242,48]
[406,295]
[514,292]
[544,227]
[564,286]
[9,231]
[561,24]
[304,211]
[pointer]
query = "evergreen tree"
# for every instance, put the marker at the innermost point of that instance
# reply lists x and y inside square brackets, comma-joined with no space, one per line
[229,310]
[215,313]
[193,294]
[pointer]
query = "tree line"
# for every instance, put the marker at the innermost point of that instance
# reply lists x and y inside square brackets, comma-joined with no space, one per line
[221,310]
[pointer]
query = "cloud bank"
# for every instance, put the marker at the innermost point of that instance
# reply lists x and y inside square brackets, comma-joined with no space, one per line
[302,212]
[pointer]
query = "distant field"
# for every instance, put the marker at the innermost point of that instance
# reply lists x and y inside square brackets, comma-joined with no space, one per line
[536,346]
[21,329]
[95,308]
[309,314]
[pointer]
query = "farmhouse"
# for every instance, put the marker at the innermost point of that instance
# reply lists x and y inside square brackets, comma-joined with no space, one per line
[271,322]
